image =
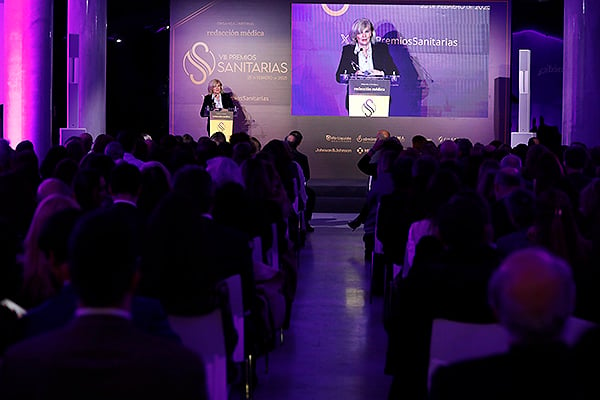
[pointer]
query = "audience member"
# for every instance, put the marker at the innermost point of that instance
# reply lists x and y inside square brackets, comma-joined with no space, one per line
[533,295]
[294,139]
[146,314]
[38,283]
[77,361]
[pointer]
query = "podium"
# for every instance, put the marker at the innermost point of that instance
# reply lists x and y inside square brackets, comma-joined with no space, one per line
[369,96]
[221,121]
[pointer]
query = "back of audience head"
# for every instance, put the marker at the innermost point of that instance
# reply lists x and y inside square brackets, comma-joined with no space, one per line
[75,149]
[239,137]
[533,295]
[194,184]
[114,150]
[87,140]
[66,170]
[442,185]
[464,221]
[102,259]
[54,238]
[24,145]
[511,161]
[505,181]
[156,184]
[100,162]
[52,186]
[125,179]
[101,142]
[224,170]
[205,150]
[6,153]
[548,173]
[36,277]
[464,147]
[218,137]
[26,164]
[127,139]
[418,141]
[402,172]
[90,189]
[448,150]
[256,143]
[520,205]
[242,151]
[576,158]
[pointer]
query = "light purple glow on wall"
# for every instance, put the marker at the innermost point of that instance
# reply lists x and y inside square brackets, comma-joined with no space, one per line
[2,51]
[28,88]
[13,109]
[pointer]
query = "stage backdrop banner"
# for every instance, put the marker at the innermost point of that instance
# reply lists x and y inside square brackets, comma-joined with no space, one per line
[243,44]
[279,59]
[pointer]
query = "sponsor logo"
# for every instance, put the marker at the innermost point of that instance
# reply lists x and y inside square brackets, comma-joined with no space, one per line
[199,63]
[338,139]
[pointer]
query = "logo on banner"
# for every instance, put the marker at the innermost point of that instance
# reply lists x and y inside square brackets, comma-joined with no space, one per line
[335,13]
[368,107]
[199,63]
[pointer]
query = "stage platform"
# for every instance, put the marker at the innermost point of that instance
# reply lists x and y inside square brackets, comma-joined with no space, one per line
[339,196]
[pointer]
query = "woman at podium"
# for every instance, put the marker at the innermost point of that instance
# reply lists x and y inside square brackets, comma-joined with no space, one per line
[216,99]
[364,57]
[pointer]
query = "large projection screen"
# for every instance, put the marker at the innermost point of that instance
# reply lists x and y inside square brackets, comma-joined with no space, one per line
[279,60]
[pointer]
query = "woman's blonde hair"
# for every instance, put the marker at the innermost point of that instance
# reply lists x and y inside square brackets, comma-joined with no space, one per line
[359,25]
[213,83]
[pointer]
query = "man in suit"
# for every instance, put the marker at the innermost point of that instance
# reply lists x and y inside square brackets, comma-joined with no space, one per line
[293,139]
[125,186]
[216,99]
[146,314]
[533,295]
[101,354]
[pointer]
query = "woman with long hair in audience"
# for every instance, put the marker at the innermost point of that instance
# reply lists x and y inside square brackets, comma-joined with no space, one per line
[38,284]
[556,230]
[156,183]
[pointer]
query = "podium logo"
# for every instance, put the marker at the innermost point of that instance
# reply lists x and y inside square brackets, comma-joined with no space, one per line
[199,63]
[368,107]
[221,126]
[335,13]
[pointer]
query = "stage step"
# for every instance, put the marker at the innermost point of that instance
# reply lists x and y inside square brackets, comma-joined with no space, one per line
[339,196]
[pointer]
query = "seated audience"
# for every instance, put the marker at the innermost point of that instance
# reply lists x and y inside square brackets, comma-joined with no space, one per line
[533,295]
[146,314]
[100,354]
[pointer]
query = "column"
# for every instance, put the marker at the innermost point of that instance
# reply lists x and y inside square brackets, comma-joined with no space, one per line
[581,61]
[86,52]
[28,63]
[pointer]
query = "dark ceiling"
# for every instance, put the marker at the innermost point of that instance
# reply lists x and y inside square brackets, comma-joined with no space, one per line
[131,16]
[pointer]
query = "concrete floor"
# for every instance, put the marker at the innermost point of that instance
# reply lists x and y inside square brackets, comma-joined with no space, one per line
[336,344]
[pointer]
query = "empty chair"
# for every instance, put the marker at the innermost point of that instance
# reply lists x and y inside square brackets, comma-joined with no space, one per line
[453,341]
[204,335]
